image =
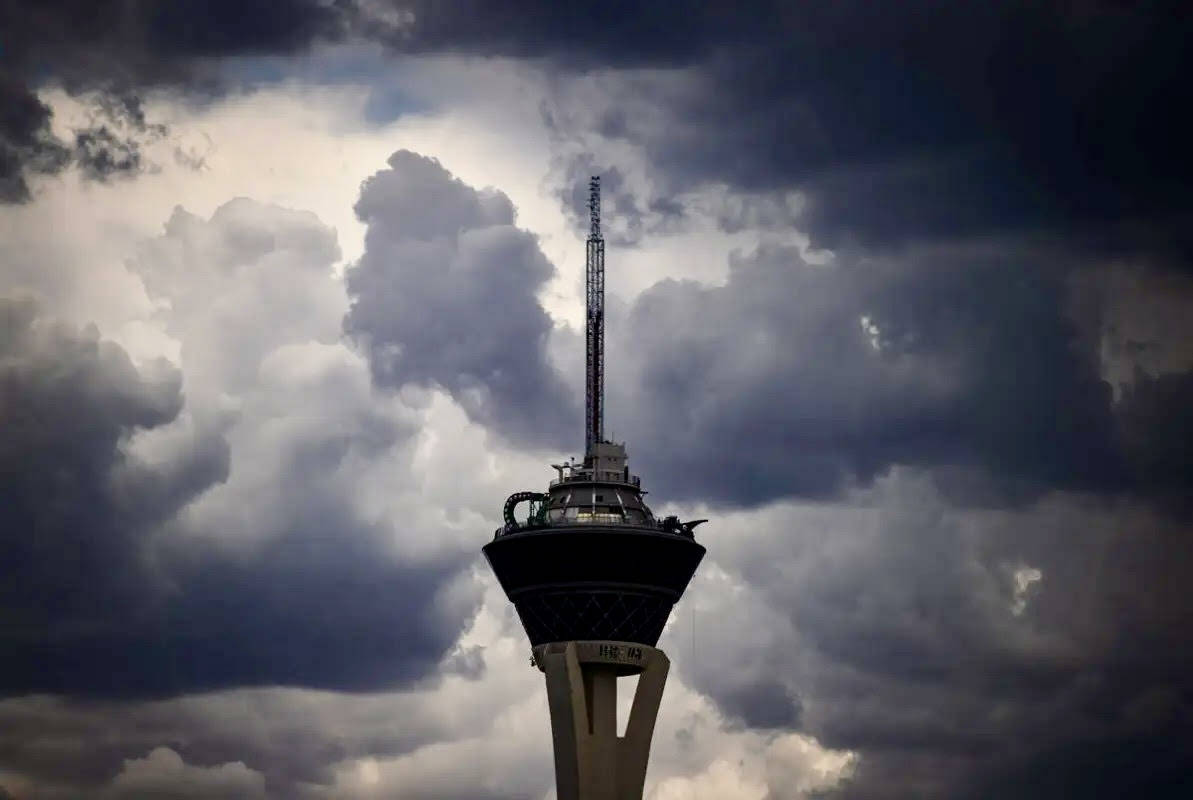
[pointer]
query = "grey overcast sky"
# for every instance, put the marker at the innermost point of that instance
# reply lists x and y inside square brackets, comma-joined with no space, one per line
[900,298]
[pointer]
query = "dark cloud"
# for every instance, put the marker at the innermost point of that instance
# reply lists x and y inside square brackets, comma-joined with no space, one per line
[303,742]
[445,295]
[114,585]
[70,528]
[114,49]
[615,34]
[960,654]
[284,734]
[797,379]
[762,704]
[792,379]
[130,43]
[1006,123]
[111,145]
[101,153]
[917,636]
[622,219]
[1158,424]
[194,28]
[26,143]
[932,121]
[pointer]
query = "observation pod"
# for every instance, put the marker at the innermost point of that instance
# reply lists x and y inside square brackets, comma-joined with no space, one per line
[591,562]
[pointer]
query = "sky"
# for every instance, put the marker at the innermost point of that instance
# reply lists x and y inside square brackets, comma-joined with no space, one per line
[898,297]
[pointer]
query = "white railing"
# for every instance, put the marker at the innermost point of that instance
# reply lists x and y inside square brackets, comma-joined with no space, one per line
[611,476]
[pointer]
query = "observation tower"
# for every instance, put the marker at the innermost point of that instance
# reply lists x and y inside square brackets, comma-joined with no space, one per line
[593,576]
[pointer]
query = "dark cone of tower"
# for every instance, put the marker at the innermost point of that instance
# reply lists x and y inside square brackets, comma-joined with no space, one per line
[593,582]
[591,562]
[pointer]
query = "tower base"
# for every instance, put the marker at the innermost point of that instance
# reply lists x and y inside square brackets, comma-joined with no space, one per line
[591,761]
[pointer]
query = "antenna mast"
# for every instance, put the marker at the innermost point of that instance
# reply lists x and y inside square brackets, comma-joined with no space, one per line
[594,278]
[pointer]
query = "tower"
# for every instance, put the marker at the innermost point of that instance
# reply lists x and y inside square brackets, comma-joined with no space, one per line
[593,576]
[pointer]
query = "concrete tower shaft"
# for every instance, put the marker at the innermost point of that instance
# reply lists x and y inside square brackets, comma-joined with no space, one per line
[591,761]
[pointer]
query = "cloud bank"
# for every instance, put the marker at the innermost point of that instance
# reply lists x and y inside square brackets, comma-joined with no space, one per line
[935,401]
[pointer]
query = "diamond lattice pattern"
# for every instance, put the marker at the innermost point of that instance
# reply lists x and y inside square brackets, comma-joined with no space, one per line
[616,616]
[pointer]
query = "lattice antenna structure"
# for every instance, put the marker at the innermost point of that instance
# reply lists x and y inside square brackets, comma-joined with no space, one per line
[594,281]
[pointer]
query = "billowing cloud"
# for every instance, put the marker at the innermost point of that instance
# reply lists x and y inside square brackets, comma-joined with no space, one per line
[115,50]
[484,736]
[944,461]
[156,547]
[925,124]
[933,123]
[799,379]
[78,510]
[903,625]
[792,378]
[162,773]
[445,295]
[622,221]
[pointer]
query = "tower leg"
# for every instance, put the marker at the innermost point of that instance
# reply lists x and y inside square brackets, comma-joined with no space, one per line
[591,761]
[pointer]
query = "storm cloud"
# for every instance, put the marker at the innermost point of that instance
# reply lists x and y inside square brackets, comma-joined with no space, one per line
[935,400]
[984,473]
[128,572]
[800,379]
[961,653]
[114,51]
[445,295]
[921,123]
[74,506]
[932,121]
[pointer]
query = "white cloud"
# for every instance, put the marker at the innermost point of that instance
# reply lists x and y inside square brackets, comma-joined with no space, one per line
[1024,577]
[163,774]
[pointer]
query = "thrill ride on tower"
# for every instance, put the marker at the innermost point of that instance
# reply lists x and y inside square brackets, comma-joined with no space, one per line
[593,576]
